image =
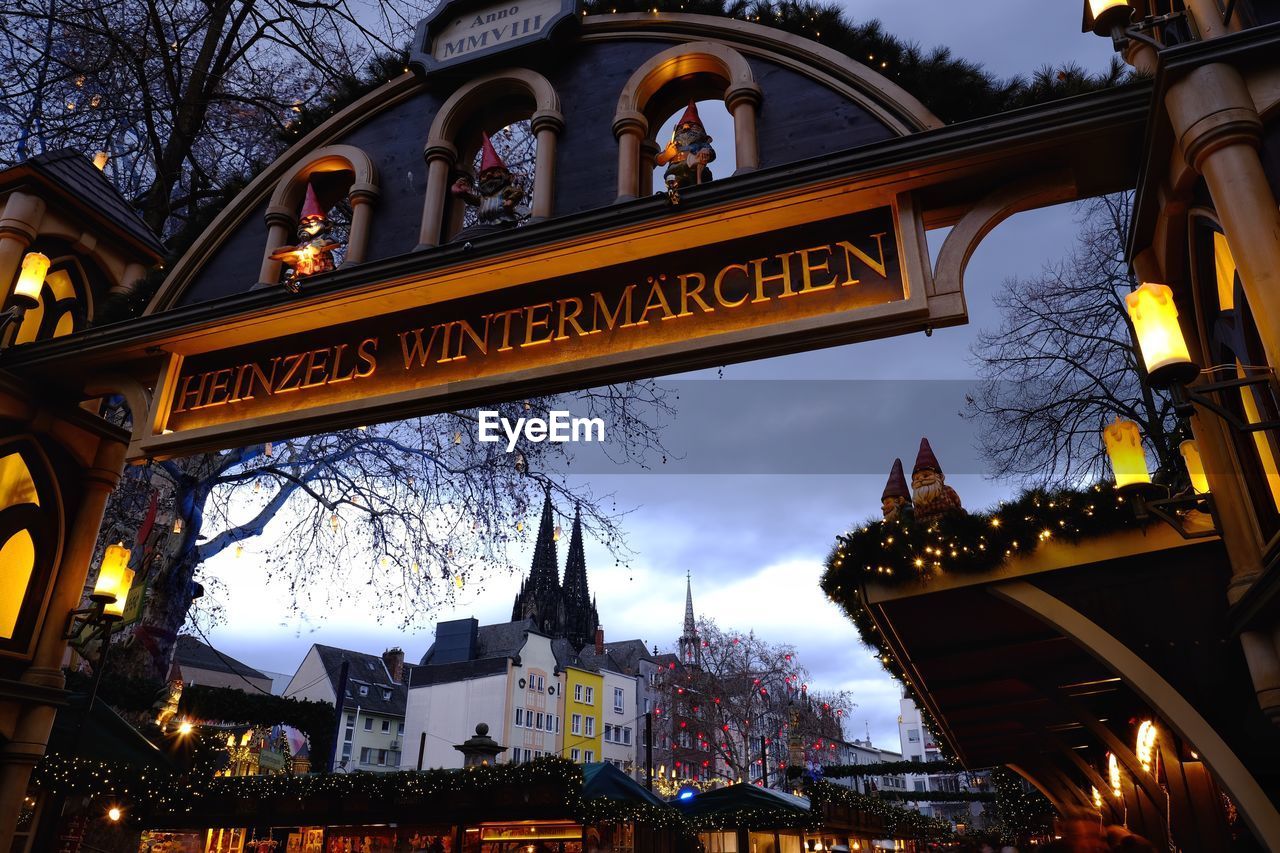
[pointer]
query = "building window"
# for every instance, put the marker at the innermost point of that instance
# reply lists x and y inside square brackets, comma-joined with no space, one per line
[364,690]
[346,750]
[350,735]
[591,727]
[919,784]
[520,716]
[538,723]
[351,719]
[588,756]
[386,726]
[550,723]
[364,755]
[577,724]
[577,692]
[913,735]
[591,696]
[400,728]
[647,706]
[368,724]
[626,736]
[574,754]
[608,733]
[617,699]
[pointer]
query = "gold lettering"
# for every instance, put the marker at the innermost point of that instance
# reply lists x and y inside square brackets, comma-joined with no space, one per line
[317,364]
[415,351]
[851,251]
[368,353]
[657,301]
[571,319]
[600,307]
[481,342]
[219,384]
[531,322]
[717,287]
[506,326]
[807,269]
[444,345]
[337,366]
[259,376]
[291,365]
[784,277]
[695,294]
[186,393]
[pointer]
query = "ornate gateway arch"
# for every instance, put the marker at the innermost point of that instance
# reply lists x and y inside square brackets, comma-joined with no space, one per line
[343,287]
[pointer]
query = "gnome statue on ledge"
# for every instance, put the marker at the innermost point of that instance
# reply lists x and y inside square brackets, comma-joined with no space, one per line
[932,496]
[687,154]
[495,191]
[314,251]
[895,503]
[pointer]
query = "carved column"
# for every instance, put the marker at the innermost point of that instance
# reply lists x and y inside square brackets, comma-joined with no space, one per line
[362,198]
[547,126]
[440,155]
[1219,131]
[44,675]
[742,101]
[281,222]
[648,162]
[629,130]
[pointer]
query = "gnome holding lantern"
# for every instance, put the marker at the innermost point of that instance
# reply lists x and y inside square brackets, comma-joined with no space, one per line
[314,251]
[687,154]
[895,503]
[932,497]
[495,191]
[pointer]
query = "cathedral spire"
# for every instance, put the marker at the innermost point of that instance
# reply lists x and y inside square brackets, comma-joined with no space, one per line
[580,612]
[690,644]
[540,595]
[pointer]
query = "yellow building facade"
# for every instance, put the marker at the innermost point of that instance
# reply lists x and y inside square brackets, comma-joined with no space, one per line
[584,693]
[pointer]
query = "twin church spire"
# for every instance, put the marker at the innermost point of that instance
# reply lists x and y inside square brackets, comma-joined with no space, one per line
[561,610]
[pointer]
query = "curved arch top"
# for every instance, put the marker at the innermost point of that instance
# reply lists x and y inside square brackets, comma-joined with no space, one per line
[678,61]
[471,96]
[289,189]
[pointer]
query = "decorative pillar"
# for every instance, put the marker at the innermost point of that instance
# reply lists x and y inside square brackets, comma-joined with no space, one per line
[44,676]
[440,155]
[281,222]
[362,197]
[742,102]
[19,225]
[629,129]
[1219,131]
[547,126]
[648,162]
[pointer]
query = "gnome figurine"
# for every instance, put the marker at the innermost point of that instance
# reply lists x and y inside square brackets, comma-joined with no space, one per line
[895,503]
[932,496]
[314,251]
[687,154]
[495,190]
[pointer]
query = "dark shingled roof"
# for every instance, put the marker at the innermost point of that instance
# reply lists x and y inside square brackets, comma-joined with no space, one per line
[495,645]
[81,181]
[366,671]
[443,673]
[195,654]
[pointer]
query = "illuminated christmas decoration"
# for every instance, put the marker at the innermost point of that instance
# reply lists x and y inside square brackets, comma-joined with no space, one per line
[1146,745]
[1155,323]
[1113,776]
[31,279]
[1195,466]
[1123,442]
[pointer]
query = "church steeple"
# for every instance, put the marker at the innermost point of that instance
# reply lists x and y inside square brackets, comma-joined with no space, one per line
[690,644]
[580,611]
[540,597]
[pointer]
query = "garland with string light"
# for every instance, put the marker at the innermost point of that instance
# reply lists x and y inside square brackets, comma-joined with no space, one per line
[939,796]
[1019,810]
[898,821]
[313,718]
[881,768]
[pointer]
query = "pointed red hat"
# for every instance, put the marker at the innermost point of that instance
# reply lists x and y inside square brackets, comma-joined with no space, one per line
[897,485]
[489,158]
[690,115]
[311,207]
[926,459]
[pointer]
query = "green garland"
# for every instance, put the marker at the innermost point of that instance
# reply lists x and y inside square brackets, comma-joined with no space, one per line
[314,719]
[896,552]
[899,822]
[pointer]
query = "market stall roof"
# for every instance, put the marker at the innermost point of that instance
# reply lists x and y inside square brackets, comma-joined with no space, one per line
[743,797]
[602,780]
[105,737]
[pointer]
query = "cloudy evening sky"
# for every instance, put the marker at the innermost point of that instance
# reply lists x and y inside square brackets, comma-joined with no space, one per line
[816,452]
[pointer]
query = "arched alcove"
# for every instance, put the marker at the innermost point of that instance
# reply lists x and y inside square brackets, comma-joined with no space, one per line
[30,537]
[696,71]
[488,104]
[337,173]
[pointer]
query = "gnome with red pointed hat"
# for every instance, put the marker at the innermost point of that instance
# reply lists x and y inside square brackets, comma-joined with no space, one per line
[932,497]
[895,503]
[314,251]
[495,191]
[687,154]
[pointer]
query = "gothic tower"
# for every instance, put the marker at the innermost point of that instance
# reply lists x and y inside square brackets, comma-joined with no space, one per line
[579,608]
[540,597]
[690,643]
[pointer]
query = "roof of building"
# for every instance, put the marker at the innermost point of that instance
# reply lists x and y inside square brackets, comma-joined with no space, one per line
[444,673]
[629,654]
[75,174]
[193,654]
[495,646]
[383,695]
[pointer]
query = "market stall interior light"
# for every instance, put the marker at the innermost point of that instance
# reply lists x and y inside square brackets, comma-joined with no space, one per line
[1155,323]
[1128,458]
[1113,776]
[31,280]
[1195,466]
[115,609]
[1146,745]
